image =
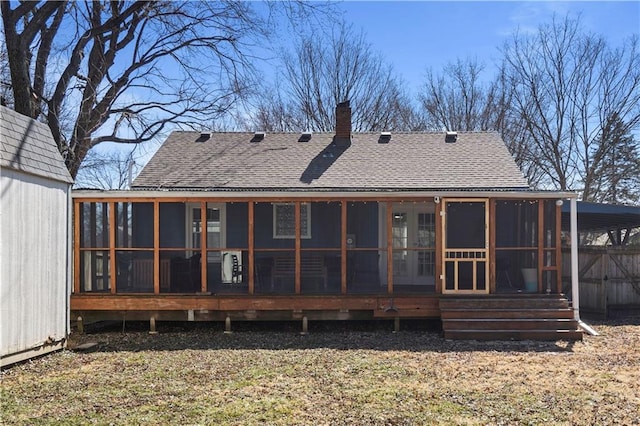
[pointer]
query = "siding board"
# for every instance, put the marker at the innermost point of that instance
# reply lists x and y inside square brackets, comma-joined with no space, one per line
[33,250]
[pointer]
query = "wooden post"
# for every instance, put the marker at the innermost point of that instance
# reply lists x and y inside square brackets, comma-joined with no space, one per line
[439,246]
[305,326]
[396,324]
[389,247]
[156,247]
[343,248]
[93,237]
[558,248]
[113,272]
[80,325]
[152,326]
[77,223]
[298,245]
[492,246]
[203,246]
[251,254]
[227,325]
[540,243]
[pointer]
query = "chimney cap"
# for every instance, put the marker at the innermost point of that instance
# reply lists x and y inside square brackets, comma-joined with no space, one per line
[344,104]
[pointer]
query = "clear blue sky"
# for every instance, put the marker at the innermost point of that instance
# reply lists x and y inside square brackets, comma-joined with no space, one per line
[415,35]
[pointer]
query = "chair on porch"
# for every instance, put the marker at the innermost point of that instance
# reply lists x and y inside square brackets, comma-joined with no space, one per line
[236,269]
[232,268]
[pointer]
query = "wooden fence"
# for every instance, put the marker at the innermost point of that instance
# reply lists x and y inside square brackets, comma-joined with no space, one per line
[609,280]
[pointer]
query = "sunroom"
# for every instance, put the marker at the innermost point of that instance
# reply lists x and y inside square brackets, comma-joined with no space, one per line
[138,242]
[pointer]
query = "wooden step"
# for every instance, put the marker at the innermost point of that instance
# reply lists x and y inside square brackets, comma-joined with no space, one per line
[551,335]
[508,317]
[565,313]
[509,324]
[504,303]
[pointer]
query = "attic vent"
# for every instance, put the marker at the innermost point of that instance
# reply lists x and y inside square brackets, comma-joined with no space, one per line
[451,137]
[305,137]
[204,136]
[258,136]
[385,137]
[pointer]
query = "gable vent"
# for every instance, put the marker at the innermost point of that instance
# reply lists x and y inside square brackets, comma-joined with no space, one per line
[204,136]
[258,137]
[451,137]
[385,137]
[305,137]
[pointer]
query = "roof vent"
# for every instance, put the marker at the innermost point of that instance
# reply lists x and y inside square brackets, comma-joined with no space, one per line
[385,137]
[451,137]
[204,136]
[258,137]
[305,136]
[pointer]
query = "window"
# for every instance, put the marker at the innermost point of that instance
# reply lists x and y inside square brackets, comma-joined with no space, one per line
[214,228]
[284,220]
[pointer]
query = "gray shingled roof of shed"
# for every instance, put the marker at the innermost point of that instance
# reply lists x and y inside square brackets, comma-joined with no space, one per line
[409,161]
[27,146]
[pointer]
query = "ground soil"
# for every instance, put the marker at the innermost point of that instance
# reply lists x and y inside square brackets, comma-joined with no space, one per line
[338,373]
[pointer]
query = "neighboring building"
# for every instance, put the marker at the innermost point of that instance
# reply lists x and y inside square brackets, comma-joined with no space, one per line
[35,252]
[328,226]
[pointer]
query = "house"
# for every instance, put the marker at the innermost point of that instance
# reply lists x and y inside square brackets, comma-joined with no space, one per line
[223,226]
[35,251]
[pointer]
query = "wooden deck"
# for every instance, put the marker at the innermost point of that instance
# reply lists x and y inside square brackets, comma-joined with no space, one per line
[178,307]
[484,317]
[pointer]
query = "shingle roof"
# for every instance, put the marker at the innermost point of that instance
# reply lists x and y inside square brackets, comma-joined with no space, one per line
[27,146]
[409,161]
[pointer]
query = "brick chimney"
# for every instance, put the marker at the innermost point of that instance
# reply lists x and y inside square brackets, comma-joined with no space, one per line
[343,124]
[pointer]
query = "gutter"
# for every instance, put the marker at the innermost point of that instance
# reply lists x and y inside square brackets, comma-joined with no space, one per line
[575,288]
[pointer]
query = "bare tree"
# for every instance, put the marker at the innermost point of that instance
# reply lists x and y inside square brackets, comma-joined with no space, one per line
[323,72]
[457,99]
[124,71]
[566,87]
[111,170]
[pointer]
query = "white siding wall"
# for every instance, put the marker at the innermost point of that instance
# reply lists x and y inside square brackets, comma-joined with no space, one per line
[34,274]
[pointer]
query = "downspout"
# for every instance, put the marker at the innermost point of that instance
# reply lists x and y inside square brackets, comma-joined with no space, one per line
[575,288]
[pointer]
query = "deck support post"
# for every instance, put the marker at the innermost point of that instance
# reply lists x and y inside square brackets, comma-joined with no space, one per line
[152,326]
[227,325]
[80,325]
[396,324]
[305,326]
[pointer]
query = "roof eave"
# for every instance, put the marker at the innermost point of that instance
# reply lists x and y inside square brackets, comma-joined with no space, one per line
[341,193]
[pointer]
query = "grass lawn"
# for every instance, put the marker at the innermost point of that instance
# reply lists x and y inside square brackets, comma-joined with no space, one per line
[340,373]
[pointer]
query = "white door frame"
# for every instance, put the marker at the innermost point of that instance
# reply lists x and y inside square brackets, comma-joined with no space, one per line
[203,218]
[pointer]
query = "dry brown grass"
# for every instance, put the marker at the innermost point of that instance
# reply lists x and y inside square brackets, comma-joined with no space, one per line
[338,374]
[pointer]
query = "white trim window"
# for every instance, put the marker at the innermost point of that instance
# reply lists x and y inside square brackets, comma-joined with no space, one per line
[215,228]
[284,220]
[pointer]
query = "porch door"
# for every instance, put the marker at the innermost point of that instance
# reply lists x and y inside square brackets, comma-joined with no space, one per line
[466,246]
[413,244]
